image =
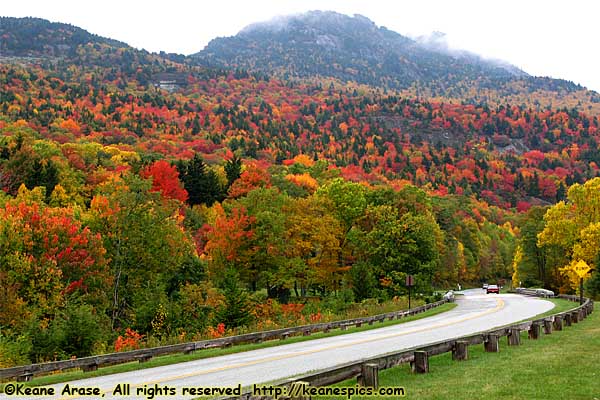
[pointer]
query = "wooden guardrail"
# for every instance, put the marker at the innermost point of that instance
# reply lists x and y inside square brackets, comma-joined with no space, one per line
[534,292]
[26,372]
[366,370]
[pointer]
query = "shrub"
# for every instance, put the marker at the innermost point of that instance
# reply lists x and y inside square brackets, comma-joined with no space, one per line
[195,307]
[338,302]
[14,352]
[131,341]
[364,283]
[80,328]
[74,332]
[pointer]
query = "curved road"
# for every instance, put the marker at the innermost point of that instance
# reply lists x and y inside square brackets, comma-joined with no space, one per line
[475,312]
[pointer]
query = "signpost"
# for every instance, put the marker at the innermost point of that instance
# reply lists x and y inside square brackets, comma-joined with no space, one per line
[410,282]
[581,269]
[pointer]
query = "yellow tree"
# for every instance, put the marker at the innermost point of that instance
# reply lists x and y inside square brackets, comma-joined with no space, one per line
[586,248]
[574,228]
[585,201]
[560,228]
[516,278]
[313,236]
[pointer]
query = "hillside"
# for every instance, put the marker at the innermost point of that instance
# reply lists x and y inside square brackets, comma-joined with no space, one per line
[36,37]
[504,155]
[329,44]
[146,201]
[106,92]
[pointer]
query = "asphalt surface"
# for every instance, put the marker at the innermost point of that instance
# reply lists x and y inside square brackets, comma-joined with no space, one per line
[475,312]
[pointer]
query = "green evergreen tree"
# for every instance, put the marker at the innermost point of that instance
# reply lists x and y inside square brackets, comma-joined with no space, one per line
[561,192]
[201,182]
[236,310]
[196,126]
[363,282]
[233,169]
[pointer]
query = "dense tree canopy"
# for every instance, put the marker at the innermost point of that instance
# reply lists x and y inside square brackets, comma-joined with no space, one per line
[129,213]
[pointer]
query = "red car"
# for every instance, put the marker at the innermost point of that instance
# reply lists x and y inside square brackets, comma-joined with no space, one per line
[492,289]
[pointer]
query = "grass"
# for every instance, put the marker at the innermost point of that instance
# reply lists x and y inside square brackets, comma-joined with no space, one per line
[560,305]
[559,366]
[179,358]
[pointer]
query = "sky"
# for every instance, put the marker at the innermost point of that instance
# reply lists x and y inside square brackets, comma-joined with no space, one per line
[555,38]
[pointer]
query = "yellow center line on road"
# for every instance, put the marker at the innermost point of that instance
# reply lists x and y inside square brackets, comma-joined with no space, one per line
[499,306]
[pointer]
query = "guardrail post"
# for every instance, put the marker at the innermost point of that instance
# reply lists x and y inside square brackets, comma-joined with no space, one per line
[358,324]
[460,350]
[491,343]
[547,326]
[558,323]
[421,363]
[343,327]
[90,367]
[26,377]
[144,358]
[568,319]
[534,331]
[514,337]
[306,332]
[284,336]
[575,317]
[369,375]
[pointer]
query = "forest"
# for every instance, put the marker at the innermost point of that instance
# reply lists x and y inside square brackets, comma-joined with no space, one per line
[135,216]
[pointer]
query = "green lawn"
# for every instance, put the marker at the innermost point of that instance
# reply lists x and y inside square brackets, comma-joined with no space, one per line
[561,366]
[178,358]
[560,305]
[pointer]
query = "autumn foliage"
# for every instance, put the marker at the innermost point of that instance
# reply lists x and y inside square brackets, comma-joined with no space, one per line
[133,202]
[130,341]
[165,179]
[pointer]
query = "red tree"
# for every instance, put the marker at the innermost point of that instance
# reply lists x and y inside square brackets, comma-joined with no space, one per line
[165,179]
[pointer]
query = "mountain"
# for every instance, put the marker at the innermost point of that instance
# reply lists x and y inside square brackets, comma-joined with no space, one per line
[313,183]
[38,40]
[330,44]
[36,37]
[348,48]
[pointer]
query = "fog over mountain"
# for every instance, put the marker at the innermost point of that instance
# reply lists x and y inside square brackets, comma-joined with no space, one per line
[354,48]
[438,42]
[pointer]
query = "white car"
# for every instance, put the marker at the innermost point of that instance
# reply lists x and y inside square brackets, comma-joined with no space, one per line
[544,292]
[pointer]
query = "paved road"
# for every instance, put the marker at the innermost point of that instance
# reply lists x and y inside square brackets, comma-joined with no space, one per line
[476,312]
